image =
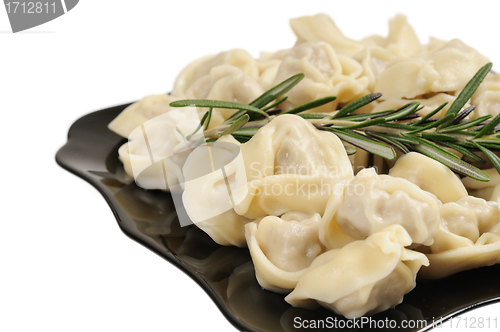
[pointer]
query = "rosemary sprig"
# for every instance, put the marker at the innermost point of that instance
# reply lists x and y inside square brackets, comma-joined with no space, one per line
[495,160]
[465,125]
[252,111]
[240,122]
[467,92]
[364,143]
[489,127]
[206,120]
[277,91]
[449,159]
[311,105]
[377,132]
[390,140]
[460,149]
[357,104]
[276,103]
[431,114]
[463,114]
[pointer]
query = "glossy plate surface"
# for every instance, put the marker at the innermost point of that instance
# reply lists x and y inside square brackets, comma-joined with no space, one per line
[226,273]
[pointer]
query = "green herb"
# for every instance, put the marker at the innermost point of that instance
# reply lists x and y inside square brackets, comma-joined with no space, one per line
[489,127]
[276,103]
[357,104]
[350,151]
[251,110]
[431,114]
[311,105]
[491,156]
[240,122]
[377,132]
[364,143]
[277,91]
[467,92]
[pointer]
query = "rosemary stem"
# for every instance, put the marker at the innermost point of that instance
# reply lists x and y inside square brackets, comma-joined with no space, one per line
[324,122]
[214,132]
[385,130]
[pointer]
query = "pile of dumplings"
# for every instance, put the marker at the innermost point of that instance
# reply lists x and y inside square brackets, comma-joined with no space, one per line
[322,227]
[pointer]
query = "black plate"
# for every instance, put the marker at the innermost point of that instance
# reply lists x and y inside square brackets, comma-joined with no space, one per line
[226,273]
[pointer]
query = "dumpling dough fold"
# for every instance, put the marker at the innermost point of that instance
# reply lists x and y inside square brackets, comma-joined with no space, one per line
[208,198]
[372,202]
[364,277]
[157,149]
[200,68]
[290,166]
[139,112]
[321,28]
[326,74]
[430,175]
[468,237]
[282,248]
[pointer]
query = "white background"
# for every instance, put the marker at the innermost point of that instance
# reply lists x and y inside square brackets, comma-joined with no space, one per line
[64,263]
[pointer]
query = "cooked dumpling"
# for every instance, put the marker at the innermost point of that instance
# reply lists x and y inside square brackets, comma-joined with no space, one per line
[488,103]
[202,67]
[359,160]
[406,78]
[468,237]
[470,255]
[402,39]
[269,64]
[372,202]
[282,248]
[487,97]
[319,63]
[330,233]
[458,221]
[486,212]
[374,60]
[352,84]
[429,104]
[463,222]
[364,277]
[222,78]
[489,191]
[429,175]
[433,45]
[321,28]
[326,74]
[139,112]
[456,63]
[226,83]
[160,143]
[290,166]
[446,69]
[268,70]
[212,175]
